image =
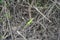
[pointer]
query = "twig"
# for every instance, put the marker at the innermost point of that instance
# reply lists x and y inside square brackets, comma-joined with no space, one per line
[4,37]
[8,19]
[42,25]
[21,35]
[42,14]
[30,8]
[51,8]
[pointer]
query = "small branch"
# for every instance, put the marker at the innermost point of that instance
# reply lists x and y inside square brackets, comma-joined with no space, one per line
[42,14]
[30,9]
[21,35]
[6,11]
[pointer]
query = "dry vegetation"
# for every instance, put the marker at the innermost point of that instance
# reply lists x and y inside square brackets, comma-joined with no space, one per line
[29,19]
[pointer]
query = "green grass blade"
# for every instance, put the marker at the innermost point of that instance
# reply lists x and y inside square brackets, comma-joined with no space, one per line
[28,23]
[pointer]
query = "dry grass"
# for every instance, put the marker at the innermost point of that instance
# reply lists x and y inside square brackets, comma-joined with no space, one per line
[15,14]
